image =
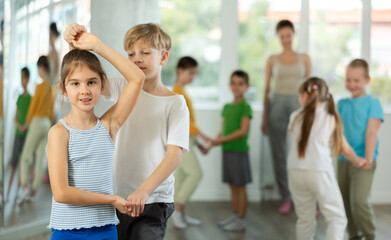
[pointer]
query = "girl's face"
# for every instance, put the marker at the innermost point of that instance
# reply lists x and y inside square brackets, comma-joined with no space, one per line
[238,86]
[356,81]
[187,75]
[83,88]
[303,97]
[286,36]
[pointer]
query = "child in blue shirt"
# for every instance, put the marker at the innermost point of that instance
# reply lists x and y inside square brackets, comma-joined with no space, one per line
[362,116]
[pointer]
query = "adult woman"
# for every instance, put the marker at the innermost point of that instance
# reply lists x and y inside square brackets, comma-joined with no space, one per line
[287,69]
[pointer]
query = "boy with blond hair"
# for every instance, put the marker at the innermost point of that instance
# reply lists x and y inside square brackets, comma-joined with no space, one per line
[151,141]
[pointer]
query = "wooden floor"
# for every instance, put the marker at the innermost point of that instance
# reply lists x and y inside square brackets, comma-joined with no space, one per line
[262,223]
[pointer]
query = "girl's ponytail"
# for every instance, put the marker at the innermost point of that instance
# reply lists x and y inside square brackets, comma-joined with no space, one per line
[338,131]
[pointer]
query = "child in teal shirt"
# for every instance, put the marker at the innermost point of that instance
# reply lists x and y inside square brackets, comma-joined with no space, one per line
[236,165]
[362,116]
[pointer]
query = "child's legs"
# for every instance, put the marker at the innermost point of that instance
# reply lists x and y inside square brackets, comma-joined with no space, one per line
[344,182]
[234,198]
[189,175]
[305,203]
[362,208]
[241,201]
[32,140]
[39,163]
[331,205]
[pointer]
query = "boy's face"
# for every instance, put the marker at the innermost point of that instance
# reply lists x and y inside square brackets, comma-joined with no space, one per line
[238,86]
[188,74]
[24,80]
[148,59]
[356,81]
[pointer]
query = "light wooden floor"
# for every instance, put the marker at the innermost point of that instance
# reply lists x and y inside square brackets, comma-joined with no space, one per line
[262,223]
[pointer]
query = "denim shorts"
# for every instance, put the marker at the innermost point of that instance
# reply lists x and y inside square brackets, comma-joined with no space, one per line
[108,232]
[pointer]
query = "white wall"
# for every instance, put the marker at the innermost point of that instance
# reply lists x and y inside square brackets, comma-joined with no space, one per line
[212,188]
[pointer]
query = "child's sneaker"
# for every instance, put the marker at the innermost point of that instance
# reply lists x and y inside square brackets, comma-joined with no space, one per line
[23,197]
[178,221]
[285,207]
[227,220]
[192,221]
[236,225]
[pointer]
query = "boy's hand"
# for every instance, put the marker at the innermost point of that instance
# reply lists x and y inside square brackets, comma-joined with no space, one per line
[136,202]
[360,162]
[72,32]
[367,165]
[203,150]
[120,204]
[265,126]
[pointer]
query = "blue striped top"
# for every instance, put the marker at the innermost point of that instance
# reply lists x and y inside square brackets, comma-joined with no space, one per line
[90,163]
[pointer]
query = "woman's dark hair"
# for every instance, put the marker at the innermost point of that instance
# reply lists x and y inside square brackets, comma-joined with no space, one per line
[283,24]
[187,62]
[26,72]
[53,29]
[242,74]
[43,61]
[76,58]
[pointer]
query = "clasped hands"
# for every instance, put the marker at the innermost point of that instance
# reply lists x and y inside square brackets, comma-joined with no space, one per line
[133,205]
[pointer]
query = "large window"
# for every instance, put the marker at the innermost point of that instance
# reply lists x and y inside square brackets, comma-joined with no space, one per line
[258,39]
[381,50]
[333,33]
[194,27]
[335,40]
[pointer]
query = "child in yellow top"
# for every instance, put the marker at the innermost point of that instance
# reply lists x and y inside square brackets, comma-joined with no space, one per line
[39,119]
[188,174]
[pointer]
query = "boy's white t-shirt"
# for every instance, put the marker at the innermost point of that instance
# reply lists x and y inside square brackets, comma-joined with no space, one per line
[318,152]
[141,143]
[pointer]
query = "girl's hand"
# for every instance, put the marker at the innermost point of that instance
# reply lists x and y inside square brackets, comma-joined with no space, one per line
[203,150]
[72,32]
[120,204]
[86,41]
[136,202]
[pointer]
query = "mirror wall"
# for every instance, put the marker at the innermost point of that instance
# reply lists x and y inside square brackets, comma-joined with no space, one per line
[31,31]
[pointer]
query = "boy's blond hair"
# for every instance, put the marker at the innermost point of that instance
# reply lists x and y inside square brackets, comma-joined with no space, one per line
[360,63]
[151,34]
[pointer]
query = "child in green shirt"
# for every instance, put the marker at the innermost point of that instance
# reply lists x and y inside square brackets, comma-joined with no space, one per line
[22,108]
[233,137]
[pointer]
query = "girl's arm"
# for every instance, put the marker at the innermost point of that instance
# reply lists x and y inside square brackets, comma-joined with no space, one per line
[348,152]
[161,173]
[117,114]
[241,132]
[370,140]
[268,76]
[57,153]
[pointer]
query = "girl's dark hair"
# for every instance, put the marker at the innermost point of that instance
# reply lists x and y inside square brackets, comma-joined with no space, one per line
[187,62]
[53,29]
[43,61]
[26,72]
[242,74]
[317,91]
[76,58]
[283,24]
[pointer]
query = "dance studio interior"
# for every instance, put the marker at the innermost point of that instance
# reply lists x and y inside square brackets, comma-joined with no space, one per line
[276,46]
